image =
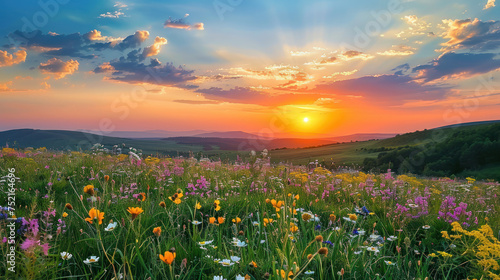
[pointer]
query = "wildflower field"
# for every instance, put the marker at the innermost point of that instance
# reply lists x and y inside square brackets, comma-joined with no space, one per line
[104,216]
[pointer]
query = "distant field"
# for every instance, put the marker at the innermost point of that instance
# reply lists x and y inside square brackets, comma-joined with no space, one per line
[348,153]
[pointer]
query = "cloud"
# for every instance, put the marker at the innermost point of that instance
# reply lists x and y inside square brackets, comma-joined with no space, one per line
[490,4]
[401,69]
[343,73]
[115,14]
[245,95]
[58,68]
[471,34]
[7,59]
[6,86]
[182,24]
[120,5]
[345,56]
[197,102]
[388,89]
[75,44]
[132,70]
[45,85]
[457,65]
[398,50]
[417,27]
[155,48]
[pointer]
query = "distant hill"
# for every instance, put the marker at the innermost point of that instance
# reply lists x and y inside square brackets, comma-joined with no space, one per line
[76,140]
[149,134]
[240,144]
[227,134]
[362,137]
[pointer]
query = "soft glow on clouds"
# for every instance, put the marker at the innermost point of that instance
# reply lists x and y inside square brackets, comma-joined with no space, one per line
[398,50]
[490,4]
[58,68]
[155,48]
[473,34]
[7,59]
[182,24]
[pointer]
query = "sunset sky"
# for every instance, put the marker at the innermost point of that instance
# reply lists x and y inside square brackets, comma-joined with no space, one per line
[297,68]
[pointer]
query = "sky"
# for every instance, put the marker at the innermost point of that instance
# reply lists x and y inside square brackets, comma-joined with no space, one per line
[275,68]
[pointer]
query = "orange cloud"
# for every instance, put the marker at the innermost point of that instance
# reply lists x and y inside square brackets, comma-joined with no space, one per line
[59,68]
[398,50]
[490,4]
[155,48]
[7,59]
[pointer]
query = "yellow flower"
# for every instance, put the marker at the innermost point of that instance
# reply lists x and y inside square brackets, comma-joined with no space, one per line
[169,256]
[220,220]
[95,214]
[64,214]
[89,189]
[217,205]
[293,228]
[198,205]
[297,197]
[353,217]
[106,178]
[237,220]
[283,274]
[176,198]
[157,231]
[211,220]
[135,211]
[306,216]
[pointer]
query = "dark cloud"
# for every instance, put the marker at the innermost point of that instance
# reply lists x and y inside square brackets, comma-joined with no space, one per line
[246,95]
[401,69]
[470,34]
[457,65]
[132,70]
[389,89]
[75,44]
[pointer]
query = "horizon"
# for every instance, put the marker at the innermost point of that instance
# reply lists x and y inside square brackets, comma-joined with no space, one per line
[260,67]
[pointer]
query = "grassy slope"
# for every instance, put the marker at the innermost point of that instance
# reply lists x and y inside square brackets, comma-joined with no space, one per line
[64,140]
[356,152]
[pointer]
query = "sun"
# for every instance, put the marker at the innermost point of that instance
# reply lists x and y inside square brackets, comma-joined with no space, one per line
[306,119]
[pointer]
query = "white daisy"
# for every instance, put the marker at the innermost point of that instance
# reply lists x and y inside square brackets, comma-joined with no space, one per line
[196,222]
[91,260]
[203,243]
[235,258]
[111,226]
[389,263]
[66,255]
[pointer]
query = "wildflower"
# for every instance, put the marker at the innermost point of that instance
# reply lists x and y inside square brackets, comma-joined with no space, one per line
[333,218]
[89,189]
[306,216]
[217,205]
[309,272]
[283,274]
[90,260]
[162,204]
[323,251]
[389,263]
[64,214]
[256,224]
[135,211]
[196,222]
[143,196]
[66,256]
[240,243]
[253,264]
[293,228]
[267,221]
[353,217]
[157,231]
[444,254]
[111,226]
[68,206]
[95,214]
[445,234]
[236,220]
[426,227]
[203,243]
[176,198]
[169,256]
[319,238]
[372,249]
[235,258]
[211,220]
[219,278]
[392,238]
[197,206]
[433,255]
[220,220]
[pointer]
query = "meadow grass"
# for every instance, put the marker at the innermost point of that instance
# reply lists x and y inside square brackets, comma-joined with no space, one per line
[241,220]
